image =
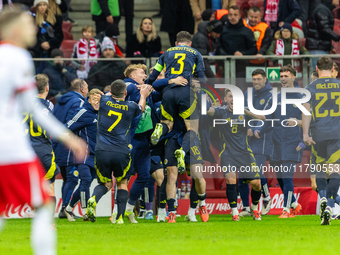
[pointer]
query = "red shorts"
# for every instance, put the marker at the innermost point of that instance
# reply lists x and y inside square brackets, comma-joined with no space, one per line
[22,184]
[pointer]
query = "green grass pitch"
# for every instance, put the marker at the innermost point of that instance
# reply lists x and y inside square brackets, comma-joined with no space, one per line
[300,235]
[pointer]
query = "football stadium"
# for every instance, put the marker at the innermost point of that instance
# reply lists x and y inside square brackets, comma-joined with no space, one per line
[175,127]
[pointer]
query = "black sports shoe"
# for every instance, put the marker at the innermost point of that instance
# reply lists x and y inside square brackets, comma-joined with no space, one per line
[62,214]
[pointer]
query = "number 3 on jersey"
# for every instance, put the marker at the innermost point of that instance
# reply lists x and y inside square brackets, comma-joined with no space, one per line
[181,57]
[119,117]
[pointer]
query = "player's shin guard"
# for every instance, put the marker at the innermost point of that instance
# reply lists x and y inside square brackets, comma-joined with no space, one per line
[188,140]
[122,197]
[255,196]
[332,188]
[321,183]
[99,191]
[232,195]
[43,238]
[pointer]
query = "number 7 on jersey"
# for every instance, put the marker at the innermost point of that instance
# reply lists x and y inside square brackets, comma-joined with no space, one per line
[119,117]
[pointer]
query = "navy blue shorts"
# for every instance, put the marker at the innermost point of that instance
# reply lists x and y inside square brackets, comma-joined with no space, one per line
[111,162]
[244,164]
[327,151]
[194,157]
[156,163]
[179,101]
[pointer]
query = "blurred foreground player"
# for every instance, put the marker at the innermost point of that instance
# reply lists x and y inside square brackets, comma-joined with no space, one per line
[25,182]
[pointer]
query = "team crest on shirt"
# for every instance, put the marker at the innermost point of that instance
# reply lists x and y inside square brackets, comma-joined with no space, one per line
[262,102]
[240,118]
[165,161]
[257,35]
[295,105]
[75,173]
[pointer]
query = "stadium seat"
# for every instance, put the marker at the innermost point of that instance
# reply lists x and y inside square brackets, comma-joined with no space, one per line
[336,12]
[67,35]
[337,23]
[67,47]
[67,26]
[302,41]
[258,3]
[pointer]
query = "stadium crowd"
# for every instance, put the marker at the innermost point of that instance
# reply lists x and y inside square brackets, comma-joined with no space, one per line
[153,126]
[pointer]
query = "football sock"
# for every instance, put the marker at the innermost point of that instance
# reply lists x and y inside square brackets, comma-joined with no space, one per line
[337,200]
[99,191]
[171,205]
[122,197]
[294,205]
[232,195]
[142,204]
[332,189]
[129,207]
[255,197]
[234,211]
[148,206]
[192,210]
[243,188]
[201,199]
[69,208]
[165,129]
[43,238]
[321,184]
[193,196]
[247,208]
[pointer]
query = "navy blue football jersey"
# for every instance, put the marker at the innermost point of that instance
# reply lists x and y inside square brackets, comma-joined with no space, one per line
[181,60]
[325,106]
[40,140]
[235,135]
[114,122]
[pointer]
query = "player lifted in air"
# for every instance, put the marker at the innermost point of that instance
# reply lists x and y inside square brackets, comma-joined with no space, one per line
[112,152]
[325,130]
[180,101]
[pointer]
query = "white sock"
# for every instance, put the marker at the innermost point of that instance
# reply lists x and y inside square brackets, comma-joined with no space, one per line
[201,202]
[266,198]
[192,210]
[254,207]
[294,204]
[129,208]
[149,211]
[43,238]
[286,209]
[69,208]
[234,211]
[161,211]
[115,209]
[247,208]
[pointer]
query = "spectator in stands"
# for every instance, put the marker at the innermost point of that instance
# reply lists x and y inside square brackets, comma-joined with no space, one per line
[199,6]
[45,18]
[59,74]
[145,42]
[85,48]
[278,12]
[178,17]
[104,12]
[261,30]
[206,41]
[105,72]
[111,31]
[237,40]
[127,7]
[208,15]
[320,29]
[286,43]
